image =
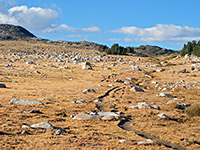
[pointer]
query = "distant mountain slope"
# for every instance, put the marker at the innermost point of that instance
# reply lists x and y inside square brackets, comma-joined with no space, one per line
[143,50]
[153,50]
[12,32]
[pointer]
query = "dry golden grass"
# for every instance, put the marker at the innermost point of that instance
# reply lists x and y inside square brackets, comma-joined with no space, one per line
[54,86]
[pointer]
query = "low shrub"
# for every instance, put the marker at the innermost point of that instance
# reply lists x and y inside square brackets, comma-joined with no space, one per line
[193,110]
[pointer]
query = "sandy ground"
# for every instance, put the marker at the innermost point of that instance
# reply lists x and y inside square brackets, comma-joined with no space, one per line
[57,87]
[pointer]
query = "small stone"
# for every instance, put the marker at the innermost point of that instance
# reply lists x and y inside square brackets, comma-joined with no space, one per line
[25,126]
[32,111]
[159,70]
[117,80]
[147,142]
[24,132]
[124,141]
[2,86]
[78,102]
[86,65]
[29,62]
[154,82]
[127,83]
[58,132]
[136,89]
[148,76]
[83,116]
[7,125]
[98,101]
[89,90]
[164,116]
[44,125]
[165,95]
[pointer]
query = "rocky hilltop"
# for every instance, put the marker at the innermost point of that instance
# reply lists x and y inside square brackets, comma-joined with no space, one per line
[12,32]
[153,50]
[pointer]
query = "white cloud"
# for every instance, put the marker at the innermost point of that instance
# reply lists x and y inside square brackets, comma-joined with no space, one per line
[92,29]
[129,40]
[77,36]
[55,28]
[34,18]
[74,36]
[114,39]
[7,3]
[161,32]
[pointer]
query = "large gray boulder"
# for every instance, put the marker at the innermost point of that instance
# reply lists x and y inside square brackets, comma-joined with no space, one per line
[44,125]
[144,105]
[108,116]
[83,116]
[102,115]
[24,102]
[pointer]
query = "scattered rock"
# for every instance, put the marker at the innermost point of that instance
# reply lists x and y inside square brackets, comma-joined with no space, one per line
[101,115]
[25,126]
[159,70]
[83,116]
[59,131]
[86,65]
[89,90]
[44,125]
[7,125]
[24,132]
[147,142]
[144,105]
[165,95]
[109,116]
[24,102]
[179,104]
[78,102]
[125,141]
[164,116]
[2,86]
[29,62]
[148,76]
[136,89]
[32,111]
[127,83]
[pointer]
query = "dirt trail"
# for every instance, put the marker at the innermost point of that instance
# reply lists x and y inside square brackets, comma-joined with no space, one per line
[125,125]
[108,92]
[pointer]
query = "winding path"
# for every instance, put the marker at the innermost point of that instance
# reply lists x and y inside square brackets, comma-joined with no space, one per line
[126,122]
[125,125]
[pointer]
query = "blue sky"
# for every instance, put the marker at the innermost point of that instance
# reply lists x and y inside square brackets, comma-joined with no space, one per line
[166,23]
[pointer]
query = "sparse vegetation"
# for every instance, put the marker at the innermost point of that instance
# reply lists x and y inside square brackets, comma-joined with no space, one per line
[170,64]
[171,57]
[193,110]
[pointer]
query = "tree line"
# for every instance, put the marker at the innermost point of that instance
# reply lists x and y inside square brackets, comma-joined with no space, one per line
[116,49]
[191,48]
